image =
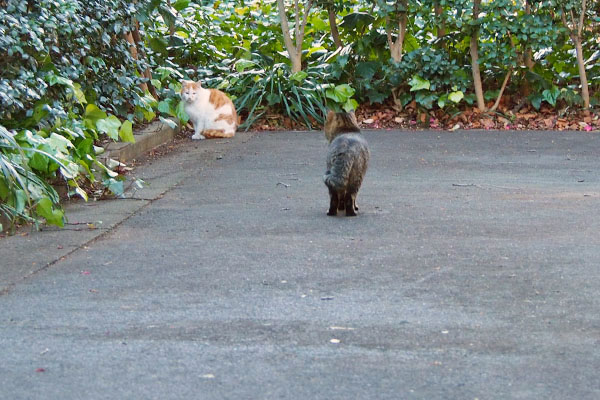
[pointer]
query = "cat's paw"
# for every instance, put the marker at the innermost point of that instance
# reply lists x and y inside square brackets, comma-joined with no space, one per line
[198,137]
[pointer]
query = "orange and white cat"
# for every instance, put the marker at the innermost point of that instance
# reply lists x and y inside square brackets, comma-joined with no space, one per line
[210,110]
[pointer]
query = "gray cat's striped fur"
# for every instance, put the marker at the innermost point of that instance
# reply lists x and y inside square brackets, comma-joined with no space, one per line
[347,161]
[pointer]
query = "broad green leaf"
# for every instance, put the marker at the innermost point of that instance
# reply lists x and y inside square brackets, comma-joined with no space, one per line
[69,170]
[536,100]
[92,112]
[410,43]
[340,93]
[158,45]
[318,23]
[243,64]
[355,21]
[181,114]
[156,83]
[376,97]
[59,143]
[110,126]
[165,106]
[81,193]
[314,50]
[20,200]
[181,4]
[273,98]
[4,191]
[298,76]
[165,72]
[551,95]
[46,209]
[442,101]
[79,95]
[54,79]
[182,34]
[148,101]
[39,162]
[456,96]
[350,105]
[169,122]
[367,69]
[126,132]
[425,99]
[418,83]
[115,186]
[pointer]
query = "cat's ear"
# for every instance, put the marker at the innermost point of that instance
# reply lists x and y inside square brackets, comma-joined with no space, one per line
[330,114]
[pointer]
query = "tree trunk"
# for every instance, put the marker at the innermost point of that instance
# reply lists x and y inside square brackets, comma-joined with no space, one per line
[575,32]
[335,34]
[528,53]
[294,50]
[474,47]
[441,31]
[134,54]
[585,94]
[396,46]
[146,73]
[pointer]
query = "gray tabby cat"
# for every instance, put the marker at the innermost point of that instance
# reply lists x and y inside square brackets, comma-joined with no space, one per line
[347,161]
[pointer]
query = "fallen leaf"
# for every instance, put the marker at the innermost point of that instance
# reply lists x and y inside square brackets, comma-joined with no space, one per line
[335,341]
[368,121]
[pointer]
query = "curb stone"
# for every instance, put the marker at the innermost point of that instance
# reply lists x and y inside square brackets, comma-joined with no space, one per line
[154,135]
[146,139]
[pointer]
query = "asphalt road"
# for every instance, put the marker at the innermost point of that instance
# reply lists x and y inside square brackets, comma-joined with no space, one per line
[471,271]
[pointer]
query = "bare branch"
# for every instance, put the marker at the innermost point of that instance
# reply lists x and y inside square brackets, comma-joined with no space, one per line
[300,37]
[581,17]
[289,45]
[297,25]
[388,31]
[564,21]
[497,103]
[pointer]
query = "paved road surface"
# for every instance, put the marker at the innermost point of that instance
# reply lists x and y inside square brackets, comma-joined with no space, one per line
[472,271]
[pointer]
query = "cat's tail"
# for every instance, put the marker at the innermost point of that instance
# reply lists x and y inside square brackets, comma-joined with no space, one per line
[336,177]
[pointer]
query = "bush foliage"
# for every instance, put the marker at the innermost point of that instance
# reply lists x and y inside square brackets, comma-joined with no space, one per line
[75,74]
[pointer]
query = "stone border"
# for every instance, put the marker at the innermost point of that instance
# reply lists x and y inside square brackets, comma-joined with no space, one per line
[155,134]
[146,139]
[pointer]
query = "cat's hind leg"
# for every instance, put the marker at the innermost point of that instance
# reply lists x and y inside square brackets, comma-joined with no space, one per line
[223,127]
[219,133]
[349,201]
[333,202]
[341,202]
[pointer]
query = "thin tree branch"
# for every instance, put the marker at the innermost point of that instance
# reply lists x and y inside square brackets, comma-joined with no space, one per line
[388,31]
[297,25]
[335,34]
[285,27]
[497,103]
[307,8]
[581,17]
